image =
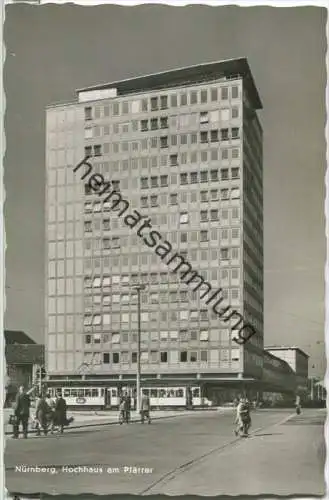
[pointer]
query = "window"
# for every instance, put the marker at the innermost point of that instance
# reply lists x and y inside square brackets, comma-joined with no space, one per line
[183,179]
[214,135]
[106,243]
[224,154]
[87,339]
[203,356]
[194,97]
[173,160]
[97,150]
[154,103]
[235,112]
[164,102]
[154,124]
[183,356]
[183,218]
[204,335]
[106,358]
[204,96]
[214,194]
[204,117]
[194,177]
[183,139]
[144,183]
[164,122]
[88,113]
[235,133]
[88,151]
[115,109]
[224,134]
[164,180]
[224,194]
[214,175]
[173,199]
[235,193]
[203,236]
[203,137]
[183,237]
[164,142]
[235,173]
[116,357]
[214,214]
[204,176]
[154,201]
[204,216]
[144,105]
[224,93]
[204,196]
[214,95]
[235,92]
[87,226]
[224,174]
[144,125]
[224,253]
[235,153]
[154,182]
[183,99]
[173,101]
[164,357]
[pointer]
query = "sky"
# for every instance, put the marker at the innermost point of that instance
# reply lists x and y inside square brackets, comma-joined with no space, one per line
[52,50]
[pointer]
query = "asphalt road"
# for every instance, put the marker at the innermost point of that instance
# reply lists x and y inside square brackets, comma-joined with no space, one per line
[197,454]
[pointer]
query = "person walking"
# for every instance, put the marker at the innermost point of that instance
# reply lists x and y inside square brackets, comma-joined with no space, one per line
[60,412]
[42,414]
[243,419]
[22,413]
[145,408]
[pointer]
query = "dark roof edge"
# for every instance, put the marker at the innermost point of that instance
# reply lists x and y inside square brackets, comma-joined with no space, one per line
[229,66]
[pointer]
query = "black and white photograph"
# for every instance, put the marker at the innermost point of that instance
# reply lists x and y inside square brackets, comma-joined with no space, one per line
[164,249]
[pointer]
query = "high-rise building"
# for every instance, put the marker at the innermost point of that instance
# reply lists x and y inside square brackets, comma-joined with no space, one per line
[184,149]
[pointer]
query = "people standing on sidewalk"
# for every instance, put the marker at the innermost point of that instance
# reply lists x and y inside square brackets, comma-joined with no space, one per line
[60,419]
[42,415]
[22,412]
[145,408]
[122,408]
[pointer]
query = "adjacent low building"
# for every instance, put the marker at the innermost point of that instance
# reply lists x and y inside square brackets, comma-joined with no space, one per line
[297,360]
[23,358]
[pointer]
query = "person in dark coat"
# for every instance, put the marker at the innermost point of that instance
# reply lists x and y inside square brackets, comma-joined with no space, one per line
[60,418]
[42,413]
[22,412]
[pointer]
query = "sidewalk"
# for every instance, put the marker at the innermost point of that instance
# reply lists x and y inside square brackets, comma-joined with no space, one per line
[99,418]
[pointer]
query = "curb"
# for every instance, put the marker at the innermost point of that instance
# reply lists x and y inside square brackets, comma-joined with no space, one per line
[100,424]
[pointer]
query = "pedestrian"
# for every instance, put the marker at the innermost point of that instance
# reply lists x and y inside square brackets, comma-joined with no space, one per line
[243,420]
[122,406]
[22,413]
[127,407]
[42,414]
[60,418]
[145,408]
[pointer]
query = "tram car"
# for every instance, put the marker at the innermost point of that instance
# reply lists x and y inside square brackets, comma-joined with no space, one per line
[108,397]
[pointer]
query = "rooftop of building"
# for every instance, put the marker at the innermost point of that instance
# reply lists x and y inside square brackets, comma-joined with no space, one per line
[21,354]
[189,75]
[17,337]
[285,348]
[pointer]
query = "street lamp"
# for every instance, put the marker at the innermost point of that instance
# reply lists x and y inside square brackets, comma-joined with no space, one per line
[138,288]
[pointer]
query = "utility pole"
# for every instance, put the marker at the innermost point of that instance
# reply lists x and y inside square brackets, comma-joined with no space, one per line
[138,288]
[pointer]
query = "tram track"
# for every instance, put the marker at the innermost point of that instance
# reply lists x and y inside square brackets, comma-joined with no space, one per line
[181,469]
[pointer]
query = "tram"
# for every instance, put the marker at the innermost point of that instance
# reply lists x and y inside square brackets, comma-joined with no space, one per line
[108,397]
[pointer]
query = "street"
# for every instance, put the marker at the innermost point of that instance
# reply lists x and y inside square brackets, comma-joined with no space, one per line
[197,453]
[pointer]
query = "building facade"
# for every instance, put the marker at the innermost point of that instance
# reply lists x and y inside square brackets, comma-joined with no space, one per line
[184,148]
